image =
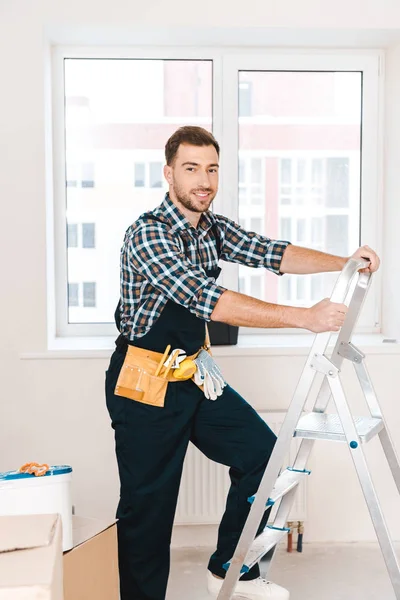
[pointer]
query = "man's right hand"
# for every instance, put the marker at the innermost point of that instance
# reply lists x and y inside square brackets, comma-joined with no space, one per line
[325,316]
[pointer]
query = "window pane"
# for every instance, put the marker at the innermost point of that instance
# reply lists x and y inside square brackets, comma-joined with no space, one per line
[256,199]
[301,171]
[156,175]
[256,170]
[286,229]
[301,231]
[87,175]
[73,294]
[119,114]
[72,175]
[140,175]
[316,173]
[245,99]
[302,144]
[316,232]
[242,173]
[88,235]
[255,286]
[255,225]
[89,294]
[337,234]
[300,288]
[286,171]
[338,182]
[316,287]
[285,293]
[72,235]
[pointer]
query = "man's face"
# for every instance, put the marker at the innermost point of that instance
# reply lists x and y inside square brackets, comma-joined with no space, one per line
[193,177]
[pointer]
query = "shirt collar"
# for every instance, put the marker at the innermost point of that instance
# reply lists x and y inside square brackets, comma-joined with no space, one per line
[178,221]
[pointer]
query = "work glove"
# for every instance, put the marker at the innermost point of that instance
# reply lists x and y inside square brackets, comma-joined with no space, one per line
[208,374]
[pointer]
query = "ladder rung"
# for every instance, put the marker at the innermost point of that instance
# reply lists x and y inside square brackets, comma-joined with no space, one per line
[267,540]
[285,482]
[324,426]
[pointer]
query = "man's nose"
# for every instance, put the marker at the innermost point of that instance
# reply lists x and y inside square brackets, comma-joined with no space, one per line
[204,179]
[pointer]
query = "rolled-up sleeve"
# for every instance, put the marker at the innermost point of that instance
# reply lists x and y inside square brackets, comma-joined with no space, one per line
[249,248]
[154,253]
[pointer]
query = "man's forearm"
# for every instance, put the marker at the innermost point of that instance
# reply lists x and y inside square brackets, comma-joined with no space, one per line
[244,311]
[301,261]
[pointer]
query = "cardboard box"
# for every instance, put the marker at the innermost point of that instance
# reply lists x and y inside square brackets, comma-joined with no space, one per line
[91,567]
[31,557]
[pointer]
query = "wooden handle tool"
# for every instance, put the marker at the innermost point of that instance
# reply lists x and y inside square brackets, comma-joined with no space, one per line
[164,356]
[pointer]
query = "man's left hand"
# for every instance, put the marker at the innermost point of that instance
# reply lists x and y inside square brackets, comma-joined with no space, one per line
[370,255]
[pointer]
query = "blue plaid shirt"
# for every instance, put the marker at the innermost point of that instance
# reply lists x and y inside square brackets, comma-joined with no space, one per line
[165,259]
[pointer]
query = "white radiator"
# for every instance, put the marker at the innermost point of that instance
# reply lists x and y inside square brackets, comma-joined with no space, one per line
[205,484]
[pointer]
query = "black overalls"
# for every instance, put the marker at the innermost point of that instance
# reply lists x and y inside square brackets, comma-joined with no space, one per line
[151,444]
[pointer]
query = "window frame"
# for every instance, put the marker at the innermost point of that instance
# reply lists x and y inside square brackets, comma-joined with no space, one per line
[58,325]
[370,63]
[227,62]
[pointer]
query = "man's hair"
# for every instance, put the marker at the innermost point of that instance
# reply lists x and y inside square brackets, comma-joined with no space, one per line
[194,136]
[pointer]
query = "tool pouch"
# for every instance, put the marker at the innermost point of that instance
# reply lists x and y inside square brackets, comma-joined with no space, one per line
[137,382]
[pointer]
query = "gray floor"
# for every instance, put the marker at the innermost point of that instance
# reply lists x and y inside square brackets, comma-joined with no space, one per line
[335,572]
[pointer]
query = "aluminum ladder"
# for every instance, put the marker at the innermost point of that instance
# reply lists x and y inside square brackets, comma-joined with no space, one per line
[279,485]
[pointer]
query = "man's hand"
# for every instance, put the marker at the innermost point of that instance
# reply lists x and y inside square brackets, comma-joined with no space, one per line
[369,254]
[325,316]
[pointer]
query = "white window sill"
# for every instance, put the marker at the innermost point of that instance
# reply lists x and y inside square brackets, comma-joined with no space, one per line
[248,345]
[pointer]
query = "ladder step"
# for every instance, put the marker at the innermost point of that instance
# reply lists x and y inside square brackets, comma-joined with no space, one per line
[267,540]
[285,482]
[324,426]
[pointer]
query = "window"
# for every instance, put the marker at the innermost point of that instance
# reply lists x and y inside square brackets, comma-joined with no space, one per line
[300,167]
[81,295]
[87,175]
[73,294]
[245,99]
[251,182]
[81,235]
[156,174]
[114,138]
[149,175]
[294,164]
[140,169]
[72,235]
[337,171]
[80,175]
[88,235]
[89,294]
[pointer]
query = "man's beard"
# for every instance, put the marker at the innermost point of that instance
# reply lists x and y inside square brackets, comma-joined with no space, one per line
[188,203]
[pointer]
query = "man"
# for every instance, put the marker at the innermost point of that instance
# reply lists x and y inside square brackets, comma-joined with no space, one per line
[169,263]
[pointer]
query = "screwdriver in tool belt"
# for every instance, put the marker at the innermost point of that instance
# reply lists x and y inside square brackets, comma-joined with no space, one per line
[164,356]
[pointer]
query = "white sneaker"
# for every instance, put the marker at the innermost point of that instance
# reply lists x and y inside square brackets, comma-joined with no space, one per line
[255,589]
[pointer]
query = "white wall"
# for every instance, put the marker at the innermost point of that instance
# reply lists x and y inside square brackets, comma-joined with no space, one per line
[53,409]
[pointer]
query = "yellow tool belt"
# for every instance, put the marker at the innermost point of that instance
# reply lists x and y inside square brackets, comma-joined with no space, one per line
[137,379]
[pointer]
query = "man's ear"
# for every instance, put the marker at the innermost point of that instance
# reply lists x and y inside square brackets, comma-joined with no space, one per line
[168,174]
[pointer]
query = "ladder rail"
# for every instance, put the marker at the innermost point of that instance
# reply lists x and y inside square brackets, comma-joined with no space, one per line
[300,397]
[368,389]
[366,482]
[374,407]
[268,480]
[345,334]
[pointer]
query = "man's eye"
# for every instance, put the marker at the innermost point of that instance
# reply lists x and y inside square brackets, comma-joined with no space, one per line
[190,169]
[213,170]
